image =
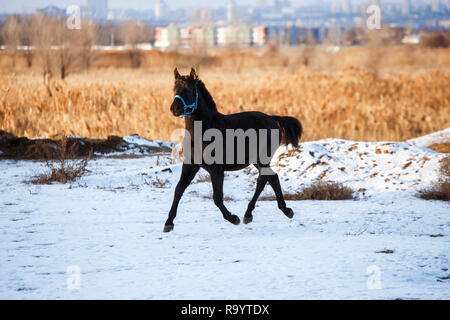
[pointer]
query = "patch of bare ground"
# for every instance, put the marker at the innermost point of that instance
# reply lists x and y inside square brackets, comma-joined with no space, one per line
[64,168]
[320,190]
[387,251]
[441,189]
[22,148]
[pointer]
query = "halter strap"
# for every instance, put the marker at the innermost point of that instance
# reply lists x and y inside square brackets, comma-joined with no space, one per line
[188,109]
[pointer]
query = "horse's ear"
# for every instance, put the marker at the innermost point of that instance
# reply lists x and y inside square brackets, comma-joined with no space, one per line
[193,74]
[176,73]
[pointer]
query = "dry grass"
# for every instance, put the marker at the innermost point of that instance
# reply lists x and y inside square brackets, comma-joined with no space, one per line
[441,189]
[225,198]
[203,178]
[321,190]
[65,168]
[161,184]
[440,147]
[333,94]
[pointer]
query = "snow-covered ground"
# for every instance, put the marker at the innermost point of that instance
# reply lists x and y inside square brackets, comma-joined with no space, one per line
[101,236]
[442,136]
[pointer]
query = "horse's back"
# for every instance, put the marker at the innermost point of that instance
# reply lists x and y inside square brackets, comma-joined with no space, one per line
[247,120]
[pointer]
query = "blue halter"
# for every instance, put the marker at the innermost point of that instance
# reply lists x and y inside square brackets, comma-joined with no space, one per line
[188,109]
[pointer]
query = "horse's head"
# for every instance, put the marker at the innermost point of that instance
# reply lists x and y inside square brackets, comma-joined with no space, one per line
[185,102]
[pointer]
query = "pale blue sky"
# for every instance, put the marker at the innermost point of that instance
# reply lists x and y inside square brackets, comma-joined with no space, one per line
[20,5]
[30,5]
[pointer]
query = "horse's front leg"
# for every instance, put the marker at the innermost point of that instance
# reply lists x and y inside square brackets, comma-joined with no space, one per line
[217,176]
[188,173]
[260,184]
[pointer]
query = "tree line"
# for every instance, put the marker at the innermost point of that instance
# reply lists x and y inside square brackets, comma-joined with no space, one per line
[48,44]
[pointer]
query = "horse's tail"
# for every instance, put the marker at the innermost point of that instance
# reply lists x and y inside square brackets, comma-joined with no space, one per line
[291,129]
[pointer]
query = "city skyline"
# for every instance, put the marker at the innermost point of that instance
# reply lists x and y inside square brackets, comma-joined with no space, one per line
[27,6]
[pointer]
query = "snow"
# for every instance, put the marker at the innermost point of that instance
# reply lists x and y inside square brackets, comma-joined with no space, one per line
[137,140]
[137,146]
[108,225]
[442,136]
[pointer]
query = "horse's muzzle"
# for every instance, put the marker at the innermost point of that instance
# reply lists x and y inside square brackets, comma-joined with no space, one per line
[176,108]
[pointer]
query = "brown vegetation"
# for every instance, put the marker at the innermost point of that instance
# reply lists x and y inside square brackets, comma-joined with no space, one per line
[441,147]
[65,168]
[22,148]
[380,91]
[46,39]
[132,33]
[161,184]
[320,190]
[351,103]
[435,40]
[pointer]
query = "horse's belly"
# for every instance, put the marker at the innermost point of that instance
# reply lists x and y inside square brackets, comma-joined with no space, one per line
[234,167]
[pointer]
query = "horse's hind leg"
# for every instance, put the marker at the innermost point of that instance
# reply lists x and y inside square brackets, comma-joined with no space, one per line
[275,183]
[188,173]
[217,182]
[260,184]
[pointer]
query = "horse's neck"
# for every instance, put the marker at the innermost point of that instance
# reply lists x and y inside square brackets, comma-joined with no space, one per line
[189,125]
[204,114]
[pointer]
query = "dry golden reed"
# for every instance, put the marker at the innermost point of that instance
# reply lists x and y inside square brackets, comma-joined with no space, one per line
[347,102]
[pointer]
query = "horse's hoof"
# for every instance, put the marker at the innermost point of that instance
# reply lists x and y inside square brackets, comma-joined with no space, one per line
[235,220]
[289,213]
[248,219]
[168,227]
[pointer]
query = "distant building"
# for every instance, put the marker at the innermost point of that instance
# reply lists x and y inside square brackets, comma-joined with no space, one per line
[98,9]
[244,35]
[206,35]
[435,5]
[160,9]
[406,7]
[226,35]
[346,7]
[166,37]
[191,37]
[239,35]
[259,36]
[186,36]
[231,12]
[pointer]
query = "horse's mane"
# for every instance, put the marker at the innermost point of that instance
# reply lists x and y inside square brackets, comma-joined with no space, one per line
[185,81]
[206,95]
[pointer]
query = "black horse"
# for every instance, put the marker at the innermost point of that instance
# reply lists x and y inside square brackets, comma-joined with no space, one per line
[203,111]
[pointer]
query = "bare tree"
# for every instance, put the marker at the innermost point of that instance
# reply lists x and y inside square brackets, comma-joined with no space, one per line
[27,39]
[43,41]
[67,48]
[132,33]
[105,33]
[86,37]
[11,36]
[60,49]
